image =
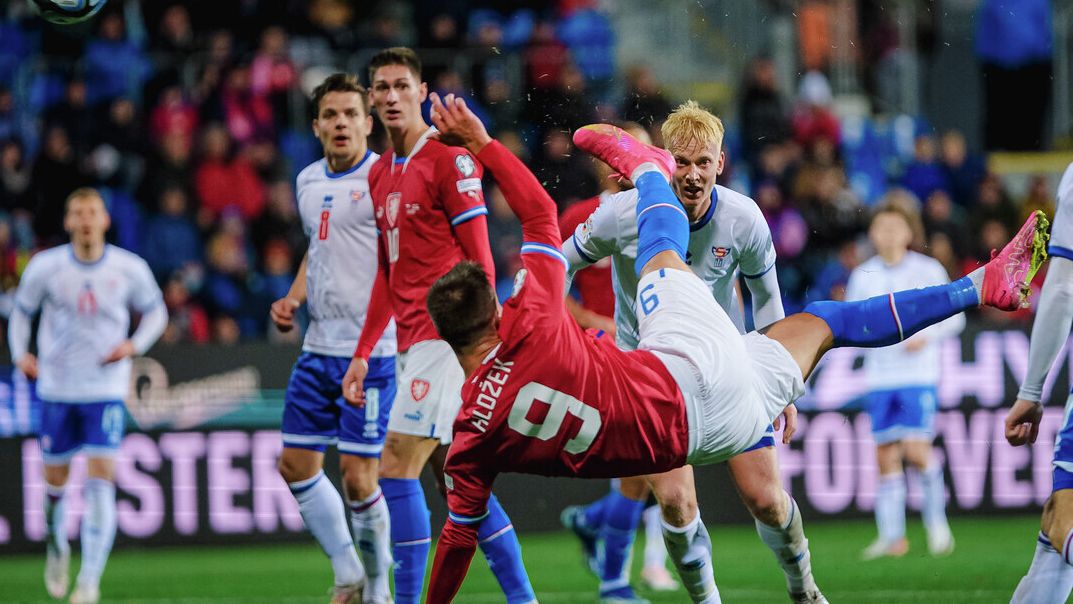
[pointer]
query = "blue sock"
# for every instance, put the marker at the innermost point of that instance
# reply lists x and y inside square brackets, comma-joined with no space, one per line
[662,224]
[411,535]
[596,512]
[889,319]
[500,545]
[623,517]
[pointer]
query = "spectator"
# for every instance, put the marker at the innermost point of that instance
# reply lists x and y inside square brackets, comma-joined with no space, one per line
[247,113]
[15,177]
[591,40]
[173,114]
[832,212]
[231,288]
[924,174]
[545,58]
[75,117]
[942,217]
[1038,198]
[963,170]
[187,320]
[813,119]
[564,107]
[226,330]
[115,65]
[171,238]
[764,115]
[644,102]
[567,176]
[273,74]
[168,167]
[54,176]
[122,138]
[280,221]
[225,180]
[1015,47]
[993,203]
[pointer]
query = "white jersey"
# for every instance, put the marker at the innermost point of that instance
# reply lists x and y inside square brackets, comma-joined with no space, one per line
[85,314]
[1061,243]
[341,265]
[732,237]
[894,366]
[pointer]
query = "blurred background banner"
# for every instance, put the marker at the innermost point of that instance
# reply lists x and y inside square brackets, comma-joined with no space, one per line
[198,465]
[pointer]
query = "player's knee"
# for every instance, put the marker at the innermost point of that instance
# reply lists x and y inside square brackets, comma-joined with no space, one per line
[293,469]
[679,505]
[359,476]
[56,475]
[768,505]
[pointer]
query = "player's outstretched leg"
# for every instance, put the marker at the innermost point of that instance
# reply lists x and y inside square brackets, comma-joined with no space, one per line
[499,543]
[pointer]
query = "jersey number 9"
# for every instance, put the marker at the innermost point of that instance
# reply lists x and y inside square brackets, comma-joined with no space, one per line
[560,404]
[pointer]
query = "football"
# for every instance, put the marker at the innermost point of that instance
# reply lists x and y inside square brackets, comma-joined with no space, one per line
[66,12]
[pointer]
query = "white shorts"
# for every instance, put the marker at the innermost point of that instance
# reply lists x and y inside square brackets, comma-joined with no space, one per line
[733,385]
[429,391]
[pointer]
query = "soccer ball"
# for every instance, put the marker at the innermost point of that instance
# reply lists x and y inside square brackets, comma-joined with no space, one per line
[66,12]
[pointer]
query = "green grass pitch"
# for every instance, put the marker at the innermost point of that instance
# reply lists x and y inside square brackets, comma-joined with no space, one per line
[992,554]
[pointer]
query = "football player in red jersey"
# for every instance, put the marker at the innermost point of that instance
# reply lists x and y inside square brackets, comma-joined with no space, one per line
[430,214]
[544,397]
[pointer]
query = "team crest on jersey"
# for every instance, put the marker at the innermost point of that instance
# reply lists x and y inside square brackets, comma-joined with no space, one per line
[722,255]
[465,165]
[419,389]
[356,195]
[394,200]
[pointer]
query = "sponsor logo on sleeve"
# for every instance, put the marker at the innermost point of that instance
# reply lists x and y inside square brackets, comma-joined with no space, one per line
[468,184]
[465,165]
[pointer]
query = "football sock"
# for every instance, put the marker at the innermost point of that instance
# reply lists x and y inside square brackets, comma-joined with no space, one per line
[596,511]
[890,507]
[56,519]
[98,529]
[1049,578]
[891,318]
[934,511]
[500,545]
[372,528]
[411,535]
[322,511]
[620,525]
[662,224]
[690,549]
[790,547]
[655,549]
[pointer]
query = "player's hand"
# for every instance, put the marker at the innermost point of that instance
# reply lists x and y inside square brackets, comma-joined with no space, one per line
[790,425]
[354,380]
[916,344]
[282,313]
[124,350]
[28,365]
[457,125]
[607,324]
[1022,422]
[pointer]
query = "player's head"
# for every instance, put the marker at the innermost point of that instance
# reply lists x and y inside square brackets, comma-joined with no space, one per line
[341,119]
[695,137]
[86,219]
[397,90]
[463,306]
[895,226]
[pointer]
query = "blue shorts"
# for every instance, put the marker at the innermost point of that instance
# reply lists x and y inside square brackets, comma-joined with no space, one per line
[903,413]
[94,428]
[767,440]
[315,414]
[1062,477]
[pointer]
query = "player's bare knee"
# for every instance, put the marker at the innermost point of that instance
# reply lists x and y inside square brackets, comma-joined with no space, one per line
[678,502]
[101,467]
[57,475]
[767,503]
[298,464]
[360,476]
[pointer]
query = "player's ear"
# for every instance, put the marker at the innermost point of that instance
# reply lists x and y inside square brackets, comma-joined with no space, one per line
[369,123]
[722,162]
[424,92]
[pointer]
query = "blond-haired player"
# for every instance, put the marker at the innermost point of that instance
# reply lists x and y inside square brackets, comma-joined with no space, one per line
[728,237]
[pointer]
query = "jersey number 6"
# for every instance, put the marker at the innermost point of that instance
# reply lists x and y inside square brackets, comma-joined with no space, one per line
[560,404]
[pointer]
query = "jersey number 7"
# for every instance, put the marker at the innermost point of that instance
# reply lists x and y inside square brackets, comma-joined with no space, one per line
[559,404]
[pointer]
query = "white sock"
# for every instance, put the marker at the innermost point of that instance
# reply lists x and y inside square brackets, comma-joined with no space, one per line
[1049,579]
[655,548]
[690,549]
[322,511]
[977,278]
[641,169]
[934,511]
[372,527]
[56,519]
[890,507]
[790,547]
[98,529]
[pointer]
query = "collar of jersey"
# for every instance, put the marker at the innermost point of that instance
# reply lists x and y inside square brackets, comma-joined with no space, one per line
[328,172]
[417,147]
[704,220]
[80,262]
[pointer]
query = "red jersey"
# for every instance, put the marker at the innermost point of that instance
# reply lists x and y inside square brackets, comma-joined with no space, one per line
[593,282]
[420,201]
[550,399]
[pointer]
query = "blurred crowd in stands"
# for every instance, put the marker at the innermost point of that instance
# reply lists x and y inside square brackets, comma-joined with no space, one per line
[195,130]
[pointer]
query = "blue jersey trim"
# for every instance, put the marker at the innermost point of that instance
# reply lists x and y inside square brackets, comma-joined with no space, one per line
[760,274]
[468,215]
[333,175]
[1061,252]
[704,220]
[81,262]
[458,519]
[543,248]
[400,160]
[581,252]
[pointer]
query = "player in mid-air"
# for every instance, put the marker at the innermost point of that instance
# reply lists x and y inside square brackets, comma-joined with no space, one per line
[85,292]
[1050,577]
[430,214]
[544,397]
[728,236]
[903,384]
[336,281]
